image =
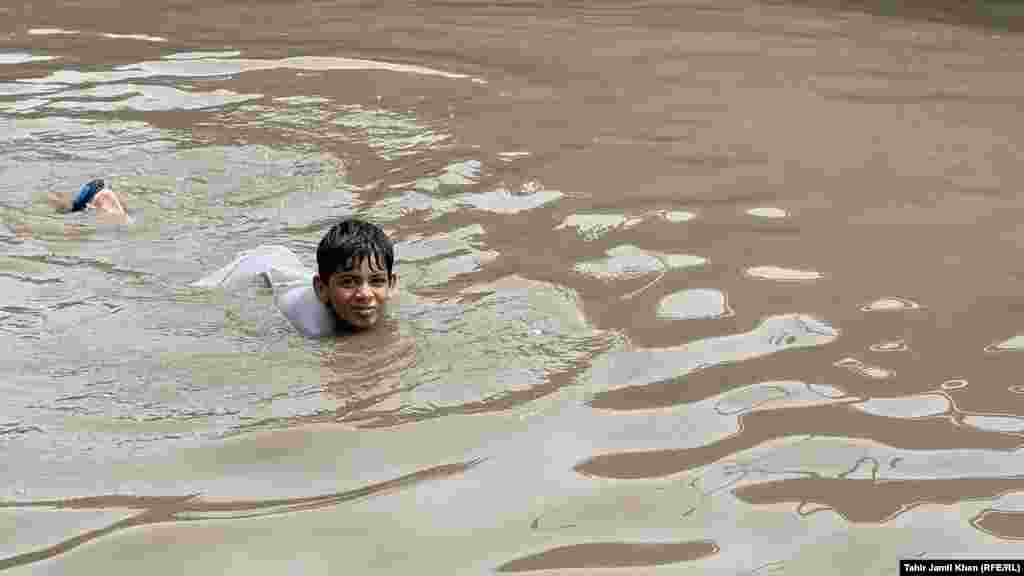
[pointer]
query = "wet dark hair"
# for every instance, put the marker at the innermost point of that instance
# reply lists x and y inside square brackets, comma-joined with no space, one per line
[348,242]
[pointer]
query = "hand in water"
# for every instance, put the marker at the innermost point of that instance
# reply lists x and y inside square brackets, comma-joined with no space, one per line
[106,200]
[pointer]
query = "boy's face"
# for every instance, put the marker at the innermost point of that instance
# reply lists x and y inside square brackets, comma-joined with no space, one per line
[357,296]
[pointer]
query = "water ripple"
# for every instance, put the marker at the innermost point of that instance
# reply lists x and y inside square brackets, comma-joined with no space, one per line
[694,303]
[774,334]
[782,274]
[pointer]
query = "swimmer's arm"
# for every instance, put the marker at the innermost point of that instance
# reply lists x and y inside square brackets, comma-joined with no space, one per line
[106,200]
[61,202]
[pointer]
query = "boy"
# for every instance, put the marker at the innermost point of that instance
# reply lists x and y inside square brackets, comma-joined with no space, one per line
[354,280]
[94,194]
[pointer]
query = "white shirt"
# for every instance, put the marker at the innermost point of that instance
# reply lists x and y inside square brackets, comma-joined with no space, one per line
[279,268]
[306,312]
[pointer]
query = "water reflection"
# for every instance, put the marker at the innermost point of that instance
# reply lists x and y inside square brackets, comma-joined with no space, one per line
[774,395]
[201,54]
[50,31]
[828,420]
[17,89]
[1005,525]
[693,304]
[143,37]
[626,261]
[954,384]
[1015,343]
[538,324]
[213,67]
[503,201]
[890,304]
[192,507]
[517,339]
[873,500]
[637,368]
[768,212]
[917,406]
[866,370]
[782,274]
[677,215]
[144,99]
[22,58]
[611,555]
[594,226]
[889,346]
[996,422]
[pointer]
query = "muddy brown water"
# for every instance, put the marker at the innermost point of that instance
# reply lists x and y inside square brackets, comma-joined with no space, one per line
[687,287]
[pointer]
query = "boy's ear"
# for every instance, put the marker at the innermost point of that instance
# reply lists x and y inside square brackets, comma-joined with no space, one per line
[320,288]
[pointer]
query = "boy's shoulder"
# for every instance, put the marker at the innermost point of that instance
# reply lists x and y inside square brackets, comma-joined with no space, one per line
[305,311]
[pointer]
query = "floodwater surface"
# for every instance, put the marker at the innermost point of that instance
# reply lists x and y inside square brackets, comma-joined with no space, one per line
[685,288]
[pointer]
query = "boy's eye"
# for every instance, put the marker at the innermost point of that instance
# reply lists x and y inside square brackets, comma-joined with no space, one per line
[351,282]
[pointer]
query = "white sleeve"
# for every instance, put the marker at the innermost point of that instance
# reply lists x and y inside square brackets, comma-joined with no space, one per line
[279,268]
[305,311]
[269,265]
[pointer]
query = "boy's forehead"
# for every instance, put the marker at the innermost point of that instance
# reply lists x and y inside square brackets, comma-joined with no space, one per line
[355,263]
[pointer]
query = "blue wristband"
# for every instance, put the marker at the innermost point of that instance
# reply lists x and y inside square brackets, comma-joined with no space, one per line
[86,194]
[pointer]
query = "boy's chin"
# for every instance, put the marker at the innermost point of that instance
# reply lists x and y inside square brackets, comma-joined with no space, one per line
[361,323]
